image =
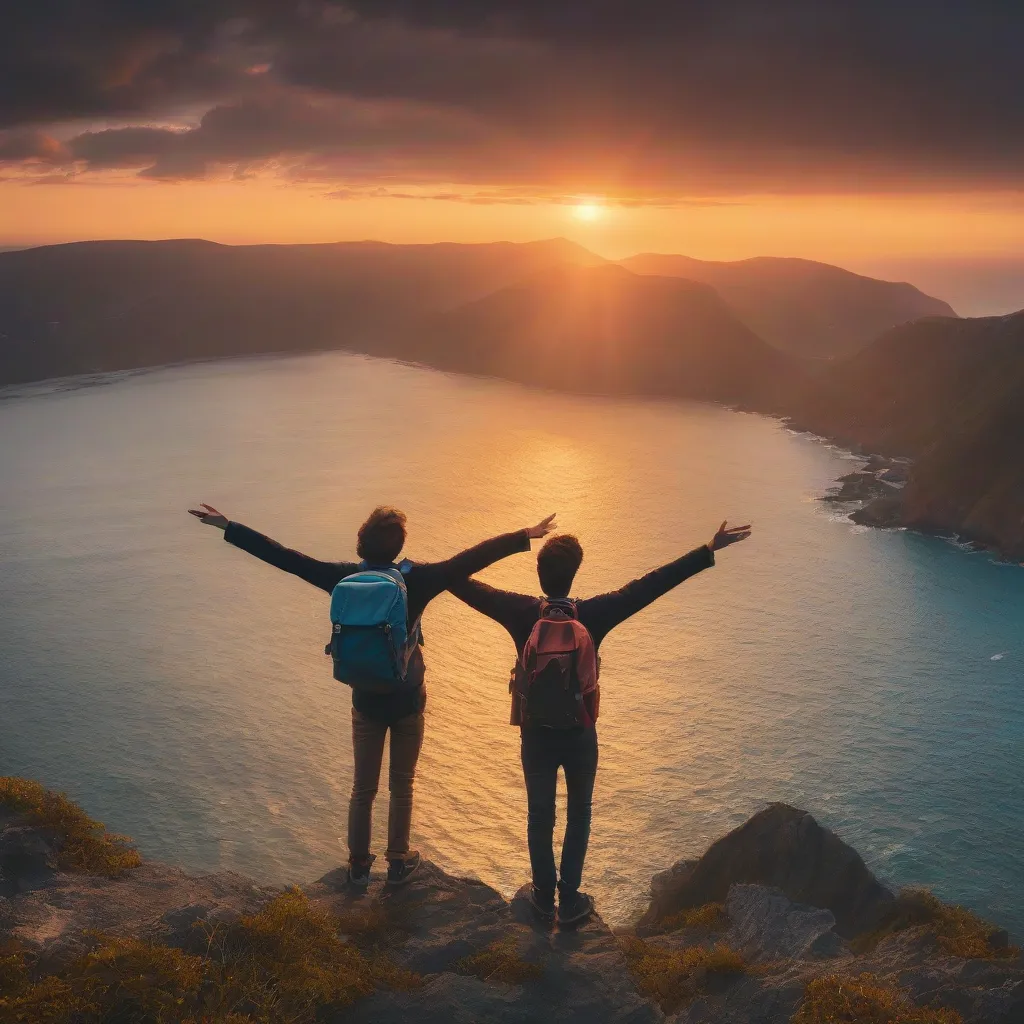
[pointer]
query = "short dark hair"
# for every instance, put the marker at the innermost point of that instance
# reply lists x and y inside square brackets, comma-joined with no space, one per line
[382,536]
[557,563]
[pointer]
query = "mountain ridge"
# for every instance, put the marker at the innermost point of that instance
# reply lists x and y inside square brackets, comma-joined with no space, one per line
[804,307]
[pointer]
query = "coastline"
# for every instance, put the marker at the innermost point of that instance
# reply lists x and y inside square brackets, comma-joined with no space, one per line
[872,492]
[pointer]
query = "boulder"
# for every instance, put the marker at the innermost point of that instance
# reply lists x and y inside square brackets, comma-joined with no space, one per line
[885,512]
[27,857]
[782,847]
[766,925]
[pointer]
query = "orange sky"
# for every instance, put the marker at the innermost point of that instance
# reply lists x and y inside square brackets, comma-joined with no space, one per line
[835,228]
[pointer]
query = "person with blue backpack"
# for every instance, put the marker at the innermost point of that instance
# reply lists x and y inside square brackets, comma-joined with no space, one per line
[375,641]
[556,697]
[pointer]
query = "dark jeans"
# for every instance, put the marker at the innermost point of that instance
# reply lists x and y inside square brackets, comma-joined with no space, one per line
[368,736]
[544,752]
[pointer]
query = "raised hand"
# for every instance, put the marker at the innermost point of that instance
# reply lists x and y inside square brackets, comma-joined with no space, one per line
[543,528]
[209,517]
[729,535]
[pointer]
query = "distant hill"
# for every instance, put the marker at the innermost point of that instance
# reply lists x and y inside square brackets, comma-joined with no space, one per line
[949,392]
[604,329]
[802,307]
[95,306]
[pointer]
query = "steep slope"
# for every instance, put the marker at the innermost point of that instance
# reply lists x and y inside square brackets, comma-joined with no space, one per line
[951,393]
[93,306]
[807,308]
[603,329]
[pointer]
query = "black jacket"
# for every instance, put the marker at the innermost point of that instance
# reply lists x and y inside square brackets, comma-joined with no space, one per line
[518,613]
[423,583]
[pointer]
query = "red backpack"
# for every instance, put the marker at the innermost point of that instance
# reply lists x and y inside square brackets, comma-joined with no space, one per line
[554,683]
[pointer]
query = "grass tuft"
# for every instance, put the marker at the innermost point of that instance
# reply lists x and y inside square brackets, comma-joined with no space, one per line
[673,977]
[864,1000]
[500,961]
[284,965]
[706,918]
[84,845]
[960,932]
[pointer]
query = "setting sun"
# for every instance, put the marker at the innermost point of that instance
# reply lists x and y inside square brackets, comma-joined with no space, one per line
[588,211]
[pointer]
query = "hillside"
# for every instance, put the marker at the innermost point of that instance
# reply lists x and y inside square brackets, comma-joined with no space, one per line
[950,393]
[94,306]
[605,330]
[806,308]
[778,922]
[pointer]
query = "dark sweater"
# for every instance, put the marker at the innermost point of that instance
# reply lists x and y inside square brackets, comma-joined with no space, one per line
[518,613]
[423,583]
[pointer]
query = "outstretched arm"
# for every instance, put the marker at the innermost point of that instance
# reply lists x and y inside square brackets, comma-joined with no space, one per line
[321,574]
[441,576]
[608,610]
[508,609]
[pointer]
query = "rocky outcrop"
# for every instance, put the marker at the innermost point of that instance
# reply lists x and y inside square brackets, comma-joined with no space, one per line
[781,847]
[950,394]
[764,924]
[793,894]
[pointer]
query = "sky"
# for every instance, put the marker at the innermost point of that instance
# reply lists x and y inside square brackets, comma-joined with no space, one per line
[884,135]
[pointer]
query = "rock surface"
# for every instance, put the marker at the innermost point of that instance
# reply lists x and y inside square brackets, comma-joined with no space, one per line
[766,925]
[781,847]
[791,891]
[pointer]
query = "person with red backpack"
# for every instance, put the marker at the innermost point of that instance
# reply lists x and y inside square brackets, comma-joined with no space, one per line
[556,697]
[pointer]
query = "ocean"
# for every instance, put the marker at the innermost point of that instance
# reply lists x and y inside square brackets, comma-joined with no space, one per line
[177,687]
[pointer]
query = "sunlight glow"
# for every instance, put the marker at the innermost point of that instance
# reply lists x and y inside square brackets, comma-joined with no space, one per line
[588,211]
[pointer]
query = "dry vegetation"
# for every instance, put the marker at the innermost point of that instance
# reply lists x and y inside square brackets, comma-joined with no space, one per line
[84,845]
[707,918]
[282,965]
[959,932]
[673,977]
[864,1000]
[500,961]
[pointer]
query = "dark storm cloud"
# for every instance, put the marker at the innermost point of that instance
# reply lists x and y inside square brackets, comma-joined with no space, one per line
[281,126]
[639,94]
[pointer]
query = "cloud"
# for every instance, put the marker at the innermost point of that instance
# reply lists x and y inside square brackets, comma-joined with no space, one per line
[695,97]
[522,197]
[320,136]
[31,146]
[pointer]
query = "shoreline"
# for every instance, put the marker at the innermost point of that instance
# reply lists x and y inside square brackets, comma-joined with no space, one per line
[874,488]
[872,493]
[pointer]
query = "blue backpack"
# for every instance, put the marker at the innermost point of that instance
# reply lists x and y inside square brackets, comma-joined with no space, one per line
[371,640]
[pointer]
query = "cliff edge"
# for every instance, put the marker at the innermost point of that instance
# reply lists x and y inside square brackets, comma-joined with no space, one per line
[780,921]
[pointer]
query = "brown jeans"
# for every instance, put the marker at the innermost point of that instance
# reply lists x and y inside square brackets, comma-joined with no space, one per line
[368,738]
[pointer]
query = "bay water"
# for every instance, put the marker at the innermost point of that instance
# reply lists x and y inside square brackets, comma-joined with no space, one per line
[177,687]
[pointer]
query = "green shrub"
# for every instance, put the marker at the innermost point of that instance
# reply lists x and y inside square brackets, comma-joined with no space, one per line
[673,977]
[84,845]
[863,1000]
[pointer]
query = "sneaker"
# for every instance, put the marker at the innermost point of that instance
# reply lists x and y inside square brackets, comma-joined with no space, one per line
[574,908]
[400,871]
[542,902]
[359,872]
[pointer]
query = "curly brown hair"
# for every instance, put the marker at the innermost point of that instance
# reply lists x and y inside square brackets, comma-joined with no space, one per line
[382,537]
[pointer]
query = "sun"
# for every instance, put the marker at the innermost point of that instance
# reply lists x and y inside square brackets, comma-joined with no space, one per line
[588,211]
